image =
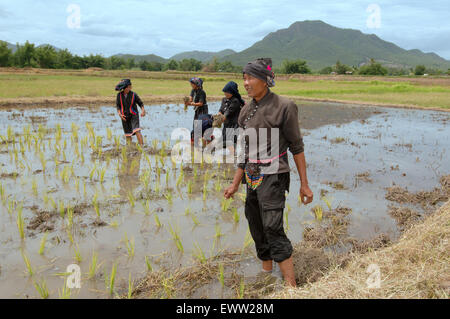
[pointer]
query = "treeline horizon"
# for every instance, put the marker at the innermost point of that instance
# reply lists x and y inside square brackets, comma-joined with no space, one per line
[47,57]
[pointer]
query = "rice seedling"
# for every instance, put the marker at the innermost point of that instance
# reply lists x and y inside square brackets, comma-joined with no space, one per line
[93,266]
[318,212]
[195,220]
[218,186]
[92,172]
[34,187]
[189,187]
[199,254]
[42,245]
[205,191]
[327,201]
[226,204]
[288,208]
[286,221]
[114,224]
[27,264]
[77,252]
[95,204]
[43,161]
[218,231]
[102,175]
[69,235]
[147,210]
[168,286]
[241,289]
[187,211]
[130,287]
[130,245]
[109,133]
[131,199]
[112,279]
[61,208]
[221,275]
[157,221]
[169,197]
[149,265]
[65,292]
[179,179]
[20,222]
[247,241]
[69,217]
[42,289]
[236,216]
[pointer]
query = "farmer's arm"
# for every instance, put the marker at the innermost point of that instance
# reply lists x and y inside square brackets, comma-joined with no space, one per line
[305,191]
[141,104]
[234,187]
[291,131]
[119,107]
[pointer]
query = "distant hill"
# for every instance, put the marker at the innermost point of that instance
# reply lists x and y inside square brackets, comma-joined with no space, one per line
[10,45]
[140,58]
[321,45]
[202,55]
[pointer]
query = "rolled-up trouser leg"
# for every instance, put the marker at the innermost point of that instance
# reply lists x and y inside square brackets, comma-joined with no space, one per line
[253,215]
[264,211]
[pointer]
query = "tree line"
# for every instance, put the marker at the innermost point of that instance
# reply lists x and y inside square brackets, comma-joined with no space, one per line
[47,57]
[371,68]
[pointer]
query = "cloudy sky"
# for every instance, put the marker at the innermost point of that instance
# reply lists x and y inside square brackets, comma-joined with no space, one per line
[167,27]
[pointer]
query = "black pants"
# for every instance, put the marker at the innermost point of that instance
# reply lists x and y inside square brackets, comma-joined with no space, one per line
[264,212]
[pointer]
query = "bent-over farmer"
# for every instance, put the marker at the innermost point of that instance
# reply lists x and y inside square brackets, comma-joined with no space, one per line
[267,176]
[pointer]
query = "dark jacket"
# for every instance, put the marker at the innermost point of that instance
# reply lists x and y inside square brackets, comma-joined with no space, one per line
[197,97]
[231,108]
[279,112]
[128,105]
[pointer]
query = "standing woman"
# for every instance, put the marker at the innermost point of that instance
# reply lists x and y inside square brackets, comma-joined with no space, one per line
[230,109]
[197,98]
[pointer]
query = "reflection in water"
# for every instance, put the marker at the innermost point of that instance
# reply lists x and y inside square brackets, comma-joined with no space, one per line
[129,174]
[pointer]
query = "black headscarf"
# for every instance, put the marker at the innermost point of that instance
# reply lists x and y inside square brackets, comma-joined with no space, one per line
[232,88]
[197,81]
[261,69]
[123,84]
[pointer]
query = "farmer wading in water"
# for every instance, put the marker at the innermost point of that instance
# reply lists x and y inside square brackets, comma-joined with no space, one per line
[266,185]
[126,103]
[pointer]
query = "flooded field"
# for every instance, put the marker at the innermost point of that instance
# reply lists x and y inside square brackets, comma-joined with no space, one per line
[72,193]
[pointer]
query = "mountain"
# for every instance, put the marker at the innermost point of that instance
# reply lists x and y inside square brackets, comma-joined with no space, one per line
[202,55]
[10,46]
[139,58]
[321,45]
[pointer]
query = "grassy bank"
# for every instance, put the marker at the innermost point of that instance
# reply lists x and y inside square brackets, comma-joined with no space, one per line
[417,266]
[431,92]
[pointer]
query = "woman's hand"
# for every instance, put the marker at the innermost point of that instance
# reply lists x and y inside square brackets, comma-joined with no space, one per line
[231,190]
[306,195]
[122,116]
[143,113]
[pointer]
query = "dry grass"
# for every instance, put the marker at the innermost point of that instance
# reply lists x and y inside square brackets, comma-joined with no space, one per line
[417,266]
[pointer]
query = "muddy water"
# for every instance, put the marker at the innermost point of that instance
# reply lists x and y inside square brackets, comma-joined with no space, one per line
[383,146]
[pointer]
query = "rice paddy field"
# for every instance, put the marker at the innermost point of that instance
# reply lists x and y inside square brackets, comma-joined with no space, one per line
[139,225]
[420,92]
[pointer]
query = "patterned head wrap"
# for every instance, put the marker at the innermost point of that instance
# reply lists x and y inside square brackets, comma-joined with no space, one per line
[261,69]
[197,81]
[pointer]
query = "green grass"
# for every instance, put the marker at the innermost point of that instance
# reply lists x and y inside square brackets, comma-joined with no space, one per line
[64,85]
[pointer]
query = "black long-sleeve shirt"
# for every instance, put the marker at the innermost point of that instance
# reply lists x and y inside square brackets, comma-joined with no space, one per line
[197,97]
[231,108]
[127,105]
